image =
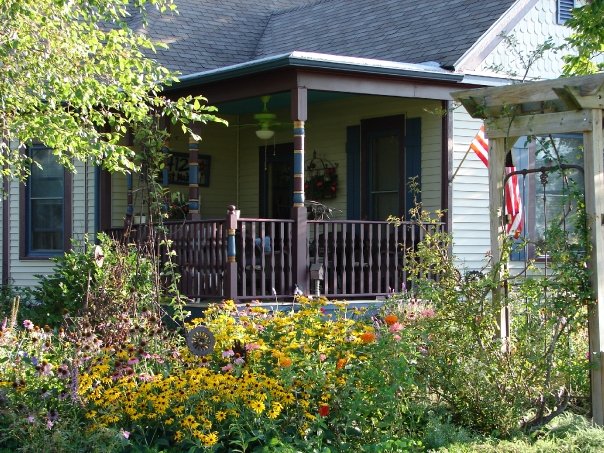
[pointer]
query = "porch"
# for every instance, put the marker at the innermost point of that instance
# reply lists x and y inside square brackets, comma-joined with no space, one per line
[251,258]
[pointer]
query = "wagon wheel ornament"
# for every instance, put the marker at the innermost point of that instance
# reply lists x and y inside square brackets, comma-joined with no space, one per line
[200,341]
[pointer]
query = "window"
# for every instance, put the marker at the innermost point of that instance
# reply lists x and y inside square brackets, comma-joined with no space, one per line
[543,200]
[45,207]
[564,10]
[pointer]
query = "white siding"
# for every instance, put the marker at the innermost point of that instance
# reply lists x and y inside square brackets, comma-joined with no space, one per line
[471,237]
[531,31]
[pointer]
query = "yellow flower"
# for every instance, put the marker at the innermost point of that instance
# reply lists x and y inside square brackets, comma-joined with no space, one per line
[210,439]
[220,415]
[189,422]
[257,406]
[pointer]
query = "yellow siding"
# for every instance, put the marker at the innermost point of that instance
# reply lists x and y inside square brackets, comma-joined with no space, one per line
[326,133]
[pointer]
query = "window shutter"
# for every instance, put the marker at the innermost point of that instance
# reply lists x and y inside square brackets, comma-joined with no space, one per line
[564,10]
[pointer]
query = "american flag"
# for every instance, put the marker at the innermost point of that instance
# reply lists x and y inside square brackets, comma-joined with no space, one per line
[513,201]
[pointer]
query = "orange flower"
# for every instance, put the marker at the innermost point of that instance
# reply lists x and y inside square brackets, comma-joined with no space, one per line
[367,337]
[285,361]
[323,410]
[341,363]
[391,319]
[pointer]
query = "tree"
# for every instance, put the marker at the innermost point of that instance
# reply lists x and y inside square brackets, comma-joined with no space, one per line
[77,78]
[587,40]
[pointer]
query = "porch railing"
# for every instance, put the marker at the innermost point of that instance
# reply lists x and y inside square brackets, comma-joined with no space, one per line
[363,258]
[359,259]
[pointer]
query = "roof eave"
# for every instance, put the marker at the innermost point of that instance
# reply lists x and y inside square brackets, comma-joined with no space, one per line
[318,61]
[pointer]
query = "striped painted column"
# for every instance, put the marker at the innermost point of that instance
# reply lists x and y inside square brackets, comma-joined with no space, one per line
[193,180]
[129,199]
[298,163]
[165,181]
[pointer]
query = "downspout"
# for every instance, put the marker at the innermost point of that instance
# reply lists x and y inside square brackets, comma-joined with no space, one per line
[447,165]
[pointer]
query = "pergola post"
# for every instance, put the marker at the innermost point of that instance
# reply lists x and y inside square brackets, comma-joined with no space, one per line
[593,145]
[497,154]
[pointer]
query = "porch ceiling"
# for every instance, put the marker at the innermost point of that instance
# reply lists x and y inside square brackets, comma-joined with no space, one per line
[278,101]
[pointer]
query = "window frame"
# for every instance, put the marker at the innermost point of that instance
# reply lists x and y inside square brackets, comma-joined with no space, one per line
[25,251]
[531,197]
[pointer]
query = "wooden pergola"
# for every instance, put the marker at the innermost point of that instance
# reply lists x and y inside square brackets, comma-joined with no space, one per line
[570,105]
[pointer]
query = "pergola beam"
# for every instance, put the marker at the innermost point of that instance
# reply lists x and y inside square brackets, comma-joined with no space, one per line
[522,93]
[545,123]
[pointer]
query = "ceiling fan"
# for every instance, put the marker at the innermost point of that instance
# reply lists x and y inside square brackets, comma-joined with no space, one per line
[265,120]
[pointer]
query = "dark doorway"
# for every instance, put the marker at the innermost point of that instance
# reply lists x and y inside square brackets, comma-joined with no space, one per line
[276,180]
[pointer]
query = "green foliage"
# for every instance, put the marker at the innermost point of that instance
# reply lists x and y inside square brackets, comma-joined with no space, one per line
[80,280]
[76,77]
[587,41]
[495,385]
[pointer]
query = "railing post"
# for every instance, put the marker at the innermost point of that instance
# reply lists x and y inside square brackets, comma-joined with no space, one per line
[230,274]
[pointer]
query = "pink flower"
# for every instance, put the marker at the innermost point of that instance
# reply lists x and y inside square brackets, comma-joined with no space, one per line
[322,357]
[28,324]
[427,313]
[132,361]
[397,337]
[252,346]
[124,433]
[239,361]
[396,327]
[227,367]
[228,353]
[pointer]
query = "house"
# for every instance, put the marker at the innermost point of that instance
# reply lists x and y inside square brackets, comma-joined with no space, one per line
[339,101]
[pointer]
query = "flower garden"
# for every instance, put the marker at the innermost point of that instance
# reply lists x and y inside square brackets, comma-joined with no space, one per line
[91,360]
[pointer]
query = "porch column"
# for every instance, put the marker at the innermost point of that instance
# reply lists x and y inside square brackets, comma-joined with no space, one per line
[193,180]
[165,181]
[593,143]
[299,215]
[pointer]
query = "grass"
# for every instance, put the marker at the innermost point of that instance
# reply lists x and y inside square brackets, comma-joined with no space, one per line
[567,433]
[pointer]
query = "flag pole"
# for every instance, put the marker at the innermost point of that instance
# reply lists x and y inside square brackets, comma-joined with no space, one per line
[459,166]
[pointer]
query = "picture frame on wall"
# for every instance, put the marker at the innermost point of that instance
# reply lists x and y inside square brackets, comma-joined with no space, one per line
[178,169]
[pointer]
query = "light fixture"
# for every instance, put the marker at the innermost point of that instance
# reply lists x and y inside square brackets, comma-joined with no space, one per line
[264,134]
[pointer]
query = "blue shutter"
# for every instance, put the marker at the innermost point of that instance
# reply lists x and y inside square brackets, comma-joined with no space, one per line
[353,172]
[413,157]
[564,10]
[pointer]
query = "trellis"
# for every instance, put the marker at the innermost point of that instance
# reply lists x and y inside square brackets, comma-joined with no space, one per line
[571,105]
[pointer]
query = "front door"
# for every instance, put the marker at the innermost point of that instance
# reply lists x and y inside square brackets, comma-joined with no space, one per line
[383,146]
[276,181]
[390,155]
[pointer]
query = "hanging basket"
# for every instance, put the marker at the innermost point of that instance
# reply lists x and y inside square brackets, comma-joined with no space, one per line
[321,179]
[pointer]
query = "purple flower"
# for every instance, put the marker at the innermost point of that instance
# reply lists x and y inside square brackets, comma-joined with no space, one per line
[28,324]
[239,361]
[228,353]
